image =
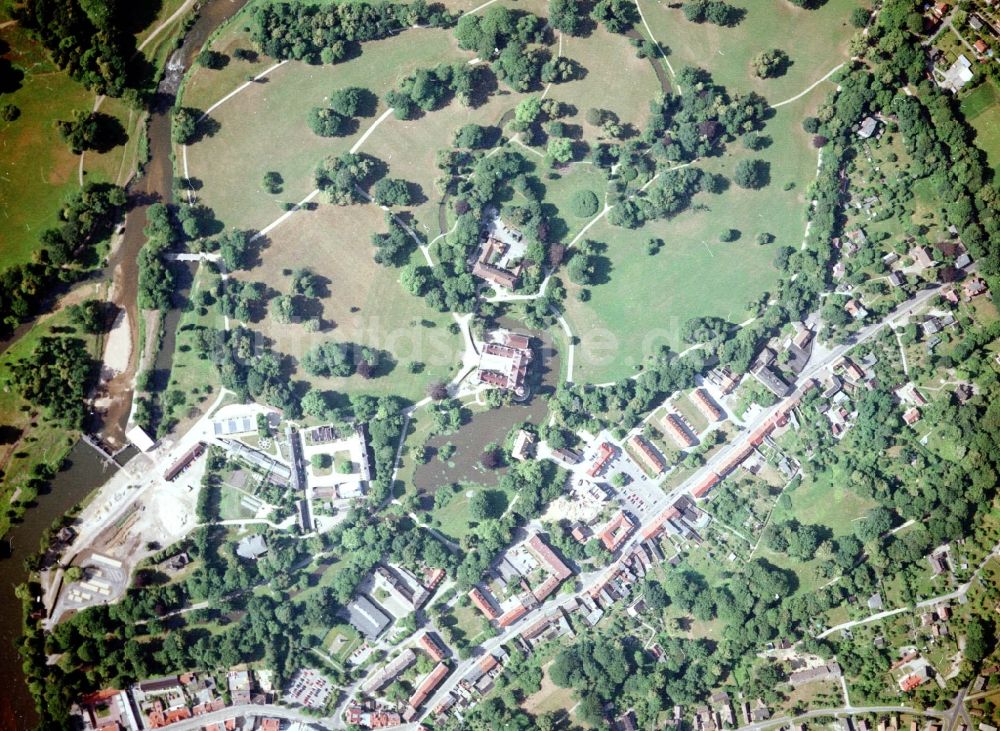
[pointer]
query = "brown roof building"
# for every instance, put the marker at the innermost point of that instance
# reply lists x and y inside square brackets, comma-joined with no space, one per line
[432,646]
[482,603]
[678,431]
[706,405]
[649,457]
[424,690]
[618,529]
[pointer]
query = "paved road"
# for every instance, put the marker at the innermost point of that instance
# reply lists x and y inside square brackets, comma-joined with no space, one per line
[841,711]
[288,714]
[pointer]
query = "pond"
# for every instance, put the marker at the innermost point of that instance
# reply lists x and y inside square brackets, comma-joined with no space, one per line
[492,425]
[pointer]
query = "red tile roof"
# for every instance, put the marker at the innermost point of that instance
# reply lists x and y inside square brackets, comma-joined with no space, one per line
[604,455]
[710,481]
[706,405]
[657,525]
[427,687]
[512,615]
[617,530]
[549,558]
[432,646]
[484,605]
[650,457]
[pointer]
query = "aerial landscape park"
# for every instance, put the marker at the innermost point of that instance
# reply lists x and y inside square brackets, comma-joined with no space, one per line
[500,364]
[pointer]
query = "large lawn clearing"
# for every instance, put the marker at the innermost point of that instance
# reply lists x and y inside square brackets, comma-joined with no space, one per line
[815,41]
[824,499]
[365,302]
[37,169]
[264,127]
[982,110]
[616,79]
[647,299]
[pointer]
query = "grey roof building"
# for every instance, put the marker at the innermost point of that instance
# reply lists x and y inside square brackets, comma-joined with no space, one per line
[366,617]
[252,547]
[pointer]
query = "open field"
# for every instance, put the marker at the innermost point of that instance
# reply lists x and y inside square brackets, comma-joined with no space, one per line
[619,326]
[455,520]
[364,303]
[202,86]
[265,127]
[37,169]
[982,110]
[608,58]
[550,697]
[815,41]
[824,499]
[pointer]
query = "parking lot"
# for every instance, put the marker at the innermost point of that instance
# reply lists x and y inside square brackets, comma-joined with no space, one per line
[639,493]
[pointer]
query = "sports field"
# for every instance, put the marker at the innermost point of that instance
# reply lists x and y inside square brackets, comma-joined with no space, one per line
[647,299]
[815,41]
[364,302]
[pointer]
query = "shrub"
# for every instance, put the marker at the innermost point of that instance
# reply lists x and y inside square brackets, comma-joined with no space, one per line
[584,204]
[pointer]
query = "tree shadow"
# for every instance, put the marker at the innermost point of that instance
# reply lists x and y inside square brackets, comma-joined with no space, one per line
[9,434]
[110,132]
[308,308]
[416,193]
[206,128]
[367,102]
[484,85]
[134,17]
[11,77]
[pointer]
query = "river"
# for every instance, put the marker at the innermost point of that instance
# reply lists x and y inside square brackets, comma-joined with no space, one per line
[84,469]
[155,185]
[83,472]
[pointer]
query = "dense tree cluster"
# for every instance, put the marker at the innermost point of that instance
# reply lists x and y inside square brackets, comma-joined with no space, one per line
[57,378]
[156,281]
[85,219]
[568,16]
[770,63]
[671,194]
[713,11]
[618,16]
[699,123]
[331,33]
[345,177]
[94,41]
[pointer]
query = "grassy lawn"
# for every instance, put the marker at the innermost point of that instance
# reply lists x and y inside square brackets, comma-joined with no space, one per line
[618,328]
[815,41]
[341,641]
[454,519]
[559,192]
[824,499]
[194,377]
[469,620]
[203,87]
[265,127]
[230,506]
[982,111]
[690,412]
[37,169]
[550,697]
[608,58]
[365,303]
